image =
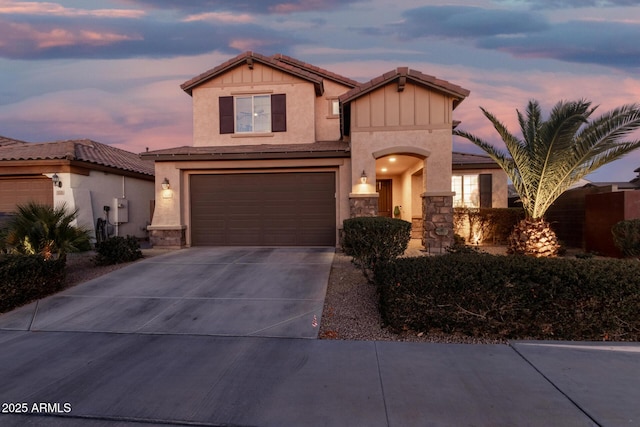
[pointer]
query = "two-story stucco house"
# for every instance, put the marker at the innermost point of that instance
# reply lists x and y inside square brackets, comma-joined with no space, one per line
[284,151]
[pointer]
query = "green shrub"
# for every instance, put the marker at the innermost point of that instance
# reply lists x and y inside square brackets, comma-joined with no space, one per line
[116,250]
[45,230]
[626,237]
[374,240]
[482,295]
[24,278]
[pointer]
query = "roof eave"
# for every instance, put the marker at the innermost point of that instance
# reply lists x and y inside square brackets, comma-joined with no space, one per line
[245,156]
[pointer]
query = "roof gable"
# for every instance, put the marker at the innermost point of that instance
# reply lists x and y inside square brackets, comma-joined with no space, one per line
[249,58]
[401,76]
[316,70]
[78,150]
[4,141]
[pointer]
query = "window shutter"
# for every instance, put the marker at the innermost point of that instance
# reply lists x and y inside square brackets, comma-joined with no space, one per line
[279,113]
[225,104]
[485,190]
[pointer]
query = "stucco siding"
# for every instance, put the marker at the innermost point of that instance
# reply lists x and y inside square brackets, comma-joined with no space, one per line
[301,101]
[90,193]
[327,126]
[437,142]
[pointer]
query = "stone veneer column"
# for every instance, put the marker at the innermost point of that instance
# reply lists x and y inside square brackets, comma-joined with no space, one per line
[167,236]
[363,205]
[437,213]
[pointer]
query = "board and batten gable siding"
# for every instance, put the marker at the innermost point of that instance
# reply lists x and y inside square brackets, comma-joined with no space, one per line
[414,107]
[262,80]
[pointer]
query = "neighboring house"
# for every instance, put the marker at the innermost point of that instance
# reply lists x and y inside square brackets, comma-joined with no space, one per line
[83,174]
[284,151]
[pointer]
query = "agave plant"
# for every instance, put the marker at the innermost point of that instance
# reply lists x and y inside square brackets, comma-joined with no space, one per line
[45,230]
[552,155]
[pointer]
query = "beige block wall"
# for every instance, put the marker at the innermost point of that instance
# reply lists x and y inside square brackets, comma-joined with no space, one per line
[173,207]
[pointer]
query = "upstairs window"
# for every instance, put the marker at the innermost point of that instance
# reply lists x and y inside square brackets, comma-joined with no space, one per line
[253,113]
[472,191]
[248,114]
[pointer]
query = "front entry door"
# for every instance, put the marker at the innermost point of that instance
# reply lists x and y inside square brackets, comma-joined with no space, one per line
[385,201]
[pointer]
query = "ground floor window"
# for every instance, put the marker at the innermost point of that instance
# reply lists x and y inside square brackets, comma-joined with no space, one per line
[467,189]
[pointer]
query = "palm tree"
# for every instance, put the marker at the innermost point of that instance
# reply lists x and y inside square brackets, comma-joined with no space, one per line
[552,155]
[48,231]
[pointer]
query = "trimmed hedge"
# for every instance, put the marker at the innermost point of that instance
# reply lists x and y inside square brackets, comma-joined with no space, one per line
[374,240]
[117,250]
[512,297]
[24,278]
[626,237]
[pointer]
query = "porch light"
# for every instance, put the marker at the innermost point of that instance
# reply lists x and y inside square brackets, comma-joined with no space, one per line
[56,180]
[165,184]
[363,177]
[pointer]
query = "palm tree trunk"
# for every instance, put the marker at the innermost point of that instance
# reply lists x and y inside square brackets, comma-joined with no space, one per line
[534,238]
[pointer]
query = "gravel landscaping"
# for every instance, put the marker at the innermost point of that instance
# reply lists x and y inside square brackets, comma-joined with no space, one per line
[351,311]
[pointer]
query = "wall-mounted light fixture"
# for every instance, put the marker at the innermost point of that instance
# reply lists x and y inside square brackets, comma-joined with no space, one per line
[363,177]
[165,184]
[56,180]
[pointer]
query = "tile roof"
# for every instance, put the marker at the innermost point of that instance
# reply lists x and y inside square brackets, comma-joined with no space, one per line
[406,73]
[4,141]
[316,70]
[469,160]
[315,149]
[79,150]
[250,57]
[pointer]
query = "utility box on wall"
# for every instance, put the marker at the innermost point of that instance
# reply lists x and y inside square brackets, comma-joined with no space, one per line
[603,211]
[121,211]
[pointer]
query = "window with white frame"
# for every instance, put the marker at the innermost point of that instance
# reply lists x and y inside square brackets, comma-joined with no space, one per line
[249,114]
[467,191]
[334,107]
[253,113]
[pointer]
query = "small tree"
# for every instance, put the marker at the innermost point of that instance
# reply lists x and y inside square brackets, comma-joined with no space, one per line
[552,155]
[47,231]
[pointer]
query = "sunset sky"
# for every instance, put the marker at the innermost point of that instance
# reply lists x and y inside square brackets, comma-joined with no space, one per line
[110,70]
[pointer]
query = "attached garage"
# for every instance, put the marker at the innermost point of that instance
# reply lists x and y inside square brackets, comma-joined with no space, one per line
[263,209]
[20,191]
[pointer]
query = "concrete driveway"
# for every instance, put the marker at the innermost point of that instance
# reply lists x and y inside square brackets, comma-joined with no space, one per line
[269,292]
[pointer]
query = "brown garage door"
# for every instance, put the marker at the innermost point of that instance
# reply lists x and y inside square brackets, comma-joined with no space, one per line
[20,191]
[276,209]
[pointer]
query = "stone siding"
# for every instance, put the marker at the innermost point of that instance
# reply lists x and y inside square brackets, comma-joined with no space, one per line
[168,238]
[438,222]
[363,206]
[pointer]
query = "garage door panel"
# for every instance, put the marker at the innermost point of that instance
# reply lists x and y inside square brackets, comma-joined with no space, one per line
[20,191]
[263,209]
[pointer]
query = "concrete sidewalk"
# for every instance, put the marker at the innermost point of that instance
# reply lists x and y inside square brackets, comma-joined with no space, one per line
[128,379]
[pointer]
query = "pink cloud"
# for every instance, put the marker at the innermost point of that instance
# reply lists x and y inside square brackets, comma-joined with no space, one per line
[302,6]
[16,36]
[248,44]
[11,7]
[226,17]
